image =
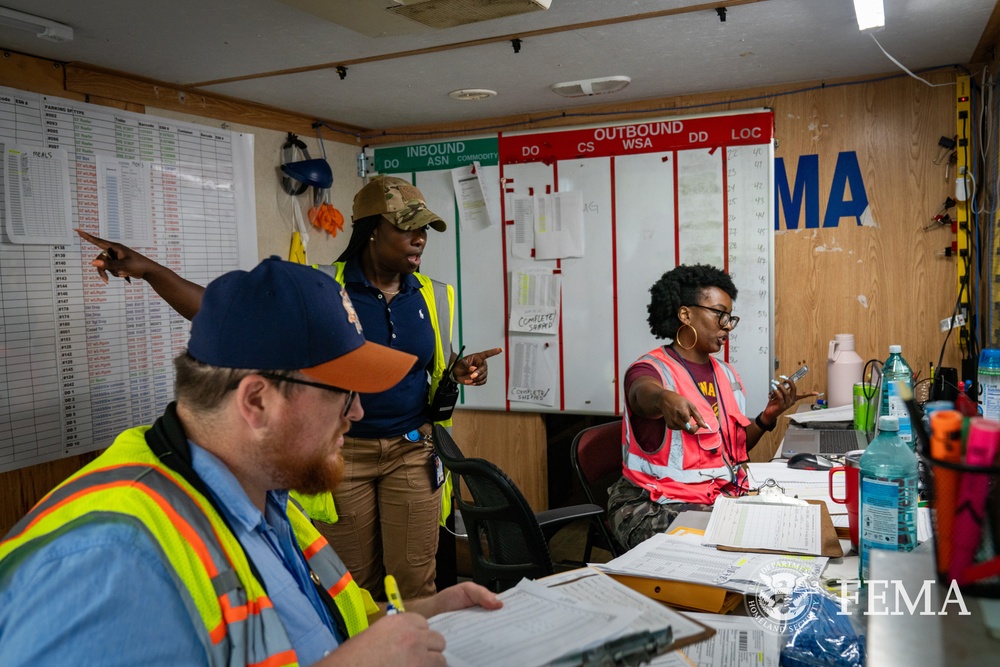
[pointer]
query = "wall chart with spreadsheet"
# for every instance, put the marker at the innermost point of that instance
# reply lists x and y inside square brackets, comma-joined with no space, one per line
[80,360]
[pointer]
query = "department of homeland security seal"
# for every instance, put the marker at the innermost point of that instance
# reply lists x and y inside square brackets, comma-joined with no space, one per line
[780,600]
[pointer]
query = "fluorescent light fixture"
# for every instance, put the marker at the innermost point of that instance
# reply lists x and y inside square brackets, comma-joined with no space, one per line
[870,13]
[44,28]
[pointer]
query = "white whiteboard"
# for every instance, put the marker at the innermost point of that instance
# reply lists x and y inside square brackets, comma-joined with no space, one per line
[655,194]
[81,361]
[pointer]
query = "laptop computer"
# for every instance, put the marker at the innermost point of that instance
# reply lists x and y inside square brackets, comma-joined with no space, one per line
[824,441]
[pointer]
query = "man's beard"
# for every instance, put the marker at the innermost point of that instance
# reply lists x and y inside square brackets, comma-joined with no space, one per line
[324,475]
[307,474]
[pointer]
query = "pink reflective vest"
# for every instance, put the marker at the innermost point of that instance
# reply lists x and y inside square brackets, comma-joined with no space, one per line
[684,467]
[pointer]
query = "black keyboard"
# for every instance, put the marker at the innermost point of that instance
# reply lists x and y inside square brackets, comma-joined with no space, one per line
[838,441]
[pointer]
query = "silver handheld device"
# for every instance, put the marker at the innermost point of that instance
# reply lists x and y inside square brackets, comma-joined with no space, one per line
[795,377]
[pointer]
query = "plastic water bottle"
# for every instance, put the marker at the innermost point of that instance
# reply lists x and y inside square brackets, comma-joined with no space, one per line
[891,403]
[888,495]
[989,383]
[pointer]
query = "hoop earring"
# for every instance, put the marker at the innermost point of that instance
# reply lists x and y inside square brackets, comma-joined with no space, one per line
[677,337]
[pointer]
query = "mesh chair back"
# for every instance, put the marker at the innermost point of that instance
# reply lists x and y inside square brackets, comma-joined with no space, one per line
[505,540]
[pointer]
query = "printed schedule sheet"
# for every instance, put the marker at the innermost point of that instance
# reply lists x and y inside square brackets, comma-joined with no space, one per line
[81,360]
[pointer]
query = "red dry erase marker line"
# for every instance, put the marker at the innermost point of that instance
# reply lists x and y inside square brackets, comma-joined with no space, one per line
[981,449]
[946,445]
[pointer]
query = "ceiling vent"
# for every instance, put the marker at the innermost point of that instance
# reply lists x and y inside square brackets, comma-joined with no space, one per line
[588,87]
[442,14]
[472,94]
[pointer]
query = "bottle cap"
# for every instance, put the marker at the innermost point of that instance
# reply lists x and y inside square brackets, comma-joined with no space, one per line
[990,358]
[895,349]
[888,423]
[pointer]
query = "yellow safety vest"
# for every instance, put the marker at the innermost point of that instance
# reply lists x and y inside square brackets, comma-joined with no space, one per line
[237,621]
[321,506]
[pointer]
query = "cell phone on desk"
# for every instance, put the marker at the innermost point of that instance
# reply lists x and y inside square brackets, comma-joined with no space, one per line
[795,377]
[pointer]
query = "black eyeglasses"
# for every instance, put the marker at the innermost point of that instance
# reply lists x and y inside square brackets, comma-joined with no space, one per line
[351,395]
[725,319]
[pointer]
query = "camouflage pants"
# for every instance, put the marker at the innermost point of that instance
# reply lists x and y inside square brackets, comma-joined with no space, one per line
[635,518]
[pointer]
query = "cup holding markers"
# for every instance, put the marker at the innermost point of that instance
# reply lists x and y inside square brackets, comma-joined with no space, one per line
[965,497]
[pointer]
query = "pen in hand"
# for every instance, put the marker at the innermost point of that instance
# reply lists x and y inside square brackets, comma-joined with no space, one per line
[395,604]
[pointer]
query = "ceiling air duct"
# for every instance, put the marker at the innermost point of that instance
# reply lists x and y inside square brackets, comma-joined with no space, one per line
[440,14]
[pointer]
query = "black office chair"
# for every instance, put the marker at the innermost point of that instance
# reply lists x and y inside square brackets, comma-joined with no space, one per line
[506,538]
[596,455]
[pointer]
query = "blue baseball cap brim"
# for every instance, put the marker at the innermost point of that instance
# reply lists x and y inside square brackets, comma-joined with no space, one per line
[290,317]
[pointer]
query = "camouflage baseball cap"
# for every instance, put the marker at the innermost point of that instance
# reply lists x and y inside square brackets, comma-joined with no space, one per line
[397,201]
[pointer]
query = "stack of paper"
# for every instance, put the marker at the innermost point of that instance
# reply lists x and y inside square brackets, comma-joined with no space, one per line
[676,558]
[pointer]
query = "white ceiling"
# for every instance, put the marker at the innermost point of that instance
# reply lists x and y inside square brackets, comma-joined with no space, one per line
[183,42]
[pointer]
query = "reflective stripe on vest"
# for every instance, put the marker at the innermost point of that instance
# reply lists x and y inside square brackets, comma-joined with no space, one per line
[354,603]
[666,479]
[239,625]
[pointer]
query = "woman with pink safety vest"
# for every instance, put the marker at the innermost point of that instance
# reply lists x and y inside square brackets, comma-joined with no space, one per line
[685,433]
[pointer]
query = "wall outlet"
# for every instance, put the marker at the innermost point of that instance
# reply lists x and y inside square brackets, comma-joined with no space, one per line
[952,322]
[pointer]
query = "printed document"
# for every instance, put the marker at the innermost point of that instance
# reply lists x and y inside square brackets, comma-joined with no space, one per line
[746,525]
[535,626]
[675,558]
[739,641]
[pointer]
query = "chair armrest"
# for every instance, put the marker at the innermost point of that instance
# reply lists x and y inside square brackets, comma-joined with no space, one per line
[549,519]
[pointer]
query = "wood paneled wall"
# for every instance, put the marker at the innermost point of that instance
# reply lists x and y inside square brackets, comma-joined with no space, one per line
[883,283]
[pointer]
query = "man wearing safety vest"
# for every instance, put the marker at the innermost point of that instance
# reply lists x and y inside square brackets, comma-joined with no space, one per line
[179,545]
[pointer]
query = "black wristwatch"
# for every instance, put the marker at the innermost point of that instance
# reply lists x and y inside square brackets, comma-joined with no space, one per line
[762,426]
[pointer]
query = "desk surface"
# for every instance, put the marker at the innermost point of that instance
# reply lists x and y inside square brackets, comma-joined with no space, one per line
[927,640]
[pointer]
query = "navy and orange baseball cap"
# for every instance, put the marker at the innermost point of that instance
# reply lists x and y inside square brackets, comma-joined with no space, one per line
[283,316]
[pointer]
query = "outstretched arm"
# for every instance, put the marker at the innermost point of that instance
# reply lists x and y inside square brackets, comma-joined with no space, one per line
[649,398]
[121,261]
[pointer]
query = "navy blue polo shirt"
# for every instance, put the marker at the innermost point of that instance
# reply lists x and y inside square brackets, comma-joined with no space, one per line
[404,324]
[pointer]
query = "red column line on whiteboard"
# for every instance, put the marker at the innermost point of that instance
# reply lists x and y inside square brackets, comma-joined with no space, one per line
[677,214]
[503,259]
[725,222]
[614,287]
[562,368]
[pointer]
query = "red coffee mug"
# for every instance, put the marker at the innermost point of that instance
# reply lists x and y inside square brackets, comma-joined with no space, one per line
[851,468]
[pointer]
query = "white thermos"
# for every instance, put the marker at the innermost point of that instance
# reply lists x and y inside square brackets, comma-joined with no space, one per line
[843,369]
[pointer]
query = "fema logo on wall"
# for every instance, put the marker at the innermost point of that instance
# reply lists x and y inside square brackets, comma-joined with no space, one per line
[781,597]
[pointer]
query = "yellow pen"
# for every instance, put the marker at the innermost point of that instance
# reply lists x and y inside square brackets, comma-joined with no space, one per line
[395,605]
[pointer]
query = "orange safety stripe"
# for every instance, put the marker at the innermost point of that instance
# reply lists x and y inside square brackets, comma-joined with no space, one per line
[284,658]
[338,587]
[314,548]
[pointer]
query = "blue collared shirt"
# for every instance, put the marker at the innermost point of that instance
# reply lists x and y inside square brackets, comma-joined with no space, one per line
[403,324]
[103,589]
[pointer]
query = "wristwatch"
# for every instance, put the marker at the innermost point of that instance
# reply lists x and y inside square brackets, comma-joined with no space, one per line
[761,425]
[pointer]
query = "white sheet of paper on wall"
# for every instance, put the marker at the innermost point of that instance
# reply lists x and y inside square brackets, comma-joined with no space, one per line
[559,225]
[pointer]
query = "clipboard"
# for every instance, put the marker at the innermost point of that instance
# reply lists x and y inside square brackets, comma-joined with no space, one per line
[829,542]
[640,647]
